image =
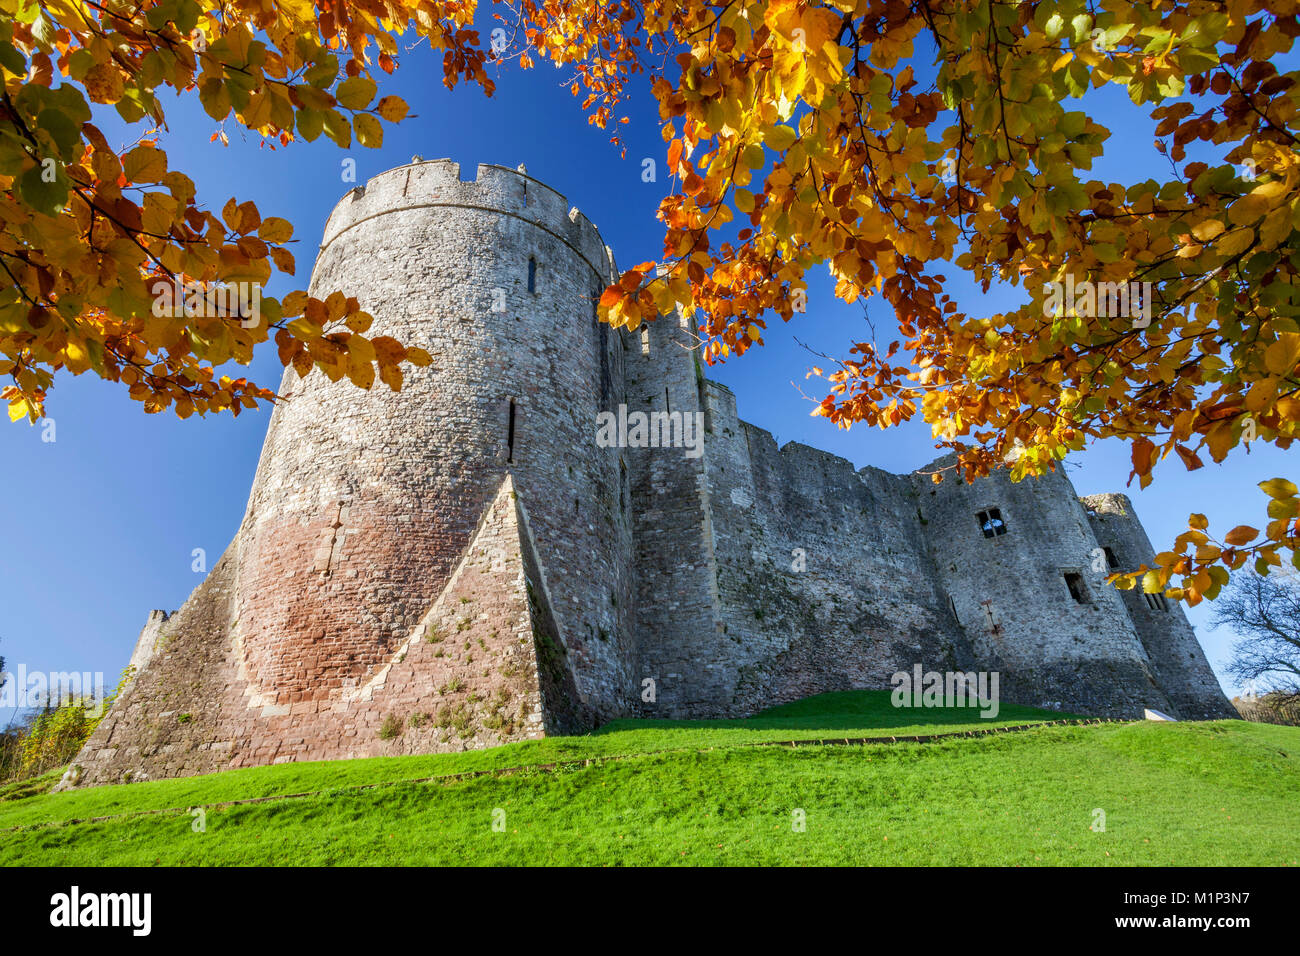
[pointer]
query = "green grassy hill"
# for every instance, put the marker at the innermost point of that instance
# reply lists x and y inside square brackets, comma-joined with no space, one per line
[702,792]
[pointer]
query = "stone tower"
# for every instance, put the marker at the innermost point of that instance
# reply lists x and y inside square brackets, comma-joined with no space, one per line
[464,563]
[386,568]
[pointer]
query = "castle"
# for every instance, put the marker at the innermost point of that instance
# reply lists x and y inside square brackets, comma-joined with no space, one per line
[487,557]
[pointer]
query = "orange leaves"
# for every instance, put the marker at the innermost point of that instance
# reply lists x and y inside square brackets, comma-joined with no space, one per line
[634,299]
[143,286]
[315,340]
[1203,565]
[241,217]
[1143,454]
[1240,535]
[793,116]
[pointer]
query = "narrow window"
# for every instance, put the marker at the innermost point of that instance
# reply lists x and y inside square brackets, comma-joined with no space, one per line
[645,340]
[1078,590]
[1111,561]
[1156,602]
[606,380]
[991,523]
[622,487]
[667,407]
[595,308]
[510,435]
[532,274]
[952,606]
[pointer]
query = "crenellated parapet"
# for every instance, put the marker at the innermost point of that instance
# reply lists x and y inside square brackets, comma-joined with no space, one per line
[508,192]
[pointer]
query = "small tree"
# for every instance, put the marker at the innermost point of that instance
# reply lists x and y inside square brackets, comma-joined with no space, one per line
[1265,612]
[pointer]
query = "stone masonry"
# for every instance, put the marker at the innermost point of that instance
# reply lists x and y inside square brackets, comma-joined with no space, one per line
[464,563]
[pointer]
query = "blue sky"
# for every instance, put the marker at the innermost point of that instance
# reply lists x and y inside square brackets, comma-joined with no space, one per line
[100,525]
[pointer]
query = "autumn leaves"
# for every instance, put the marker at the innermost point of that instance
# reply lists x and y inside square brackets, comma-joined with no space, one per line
[87,234]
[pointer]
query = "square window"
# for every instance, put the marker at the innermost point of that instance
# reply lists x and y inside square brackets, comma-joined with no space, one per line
[1078,589]
[991,523]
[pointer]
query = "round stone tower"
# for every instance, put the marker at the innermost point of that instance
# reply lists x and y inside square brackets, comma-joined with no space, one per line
[365,502]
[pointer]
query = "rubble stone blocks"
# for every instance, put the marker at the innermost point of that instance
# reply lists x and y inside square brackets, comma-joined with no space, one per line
[462,564]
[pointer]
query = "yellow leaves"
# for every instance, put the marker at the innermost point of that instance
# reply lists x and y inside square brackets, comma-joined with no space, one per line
[275,229]
[1235,242]
[1281,357]
[1280,509]
[20,408]
[369,133]
[359,322]
[355,93]
[313,99]
[1207,230]
[1220,441]
[392,108]
[744,200]
[145,164]
[179,185]
[779,137]
[294,304]
[1247,209]
[305,329]
[1279,488]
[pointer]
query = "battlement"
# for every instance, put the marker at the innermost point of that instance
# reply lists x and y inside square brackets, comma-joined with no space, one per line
[429,184]
[1111,504]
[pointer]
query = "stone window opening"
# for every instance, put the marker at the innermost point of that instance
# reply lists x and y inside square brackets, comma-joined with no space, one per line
[645,340]
[991,523]
[1156,602]
[667,406]
[602,347]
[952,606]
[510,435]
[1112,562]
[1078,589]
[532,274]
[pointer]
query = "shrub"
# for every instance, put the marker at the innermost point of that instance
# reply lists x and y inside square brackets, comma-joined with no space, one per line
[390,728]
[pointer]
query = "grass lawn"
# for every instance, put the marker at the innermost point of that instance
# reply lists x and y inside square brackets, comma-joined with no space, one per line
[1223,792]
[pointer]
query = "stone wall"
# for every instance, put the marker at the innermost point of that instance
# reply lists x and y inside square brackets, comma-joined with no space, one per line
[822,584]
[464,563]
[1176,657]
[1011,593]
[481,667]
